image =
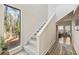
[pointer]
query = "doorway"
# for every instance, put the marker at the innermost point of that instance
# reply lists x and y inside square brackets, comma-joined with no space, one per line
[65,32]
[64,38]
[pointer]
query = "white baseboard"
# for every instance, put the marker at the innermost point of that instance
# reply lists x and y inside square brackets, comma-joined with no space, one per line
[76,49]
[48,48]
[15,50]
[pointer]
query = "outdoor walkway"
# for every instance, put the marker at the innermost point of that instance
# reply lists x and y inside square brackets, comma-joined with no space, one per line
[62,47]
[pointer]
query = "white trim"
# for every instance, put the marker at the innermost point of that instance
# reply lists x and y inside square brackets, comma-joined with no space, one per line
[48,48]
[15,50]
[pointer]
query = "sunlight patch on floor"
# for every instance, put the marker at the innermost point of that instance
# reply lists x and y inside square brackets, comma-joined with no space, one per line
[61,40]
[67,41]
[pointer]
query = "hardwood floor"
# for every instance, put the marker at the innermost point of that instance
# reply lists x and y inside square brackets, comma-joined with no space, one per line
[62,48]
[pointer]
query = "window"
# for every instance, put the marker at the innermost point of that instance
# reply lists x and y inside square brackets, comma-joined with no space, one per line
[60,29]
[12,26]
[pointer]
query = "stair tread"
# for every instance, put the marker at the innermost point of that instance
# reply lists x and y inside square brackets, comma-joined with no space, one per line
[33,42]
[22,53]
[30,47]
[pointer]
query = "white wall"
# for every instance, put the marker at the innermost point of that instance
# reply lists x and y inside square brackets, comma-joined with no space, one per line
[76,41]
[75,37]
[52,9]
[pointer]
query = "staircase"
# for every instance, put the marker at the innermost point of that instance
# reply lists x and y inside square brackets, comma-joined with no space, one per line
[31,46]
